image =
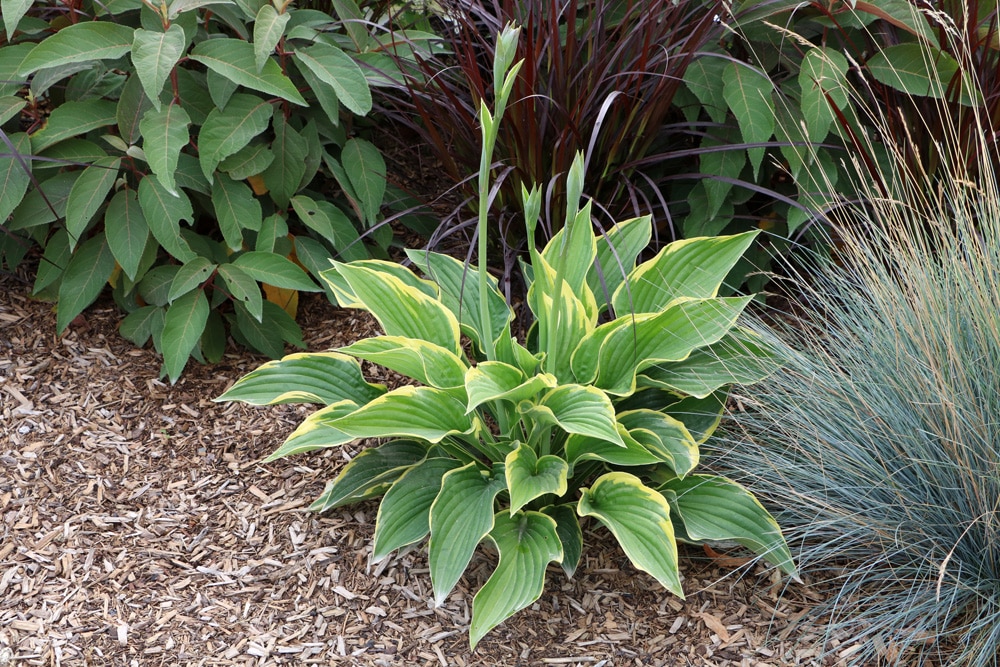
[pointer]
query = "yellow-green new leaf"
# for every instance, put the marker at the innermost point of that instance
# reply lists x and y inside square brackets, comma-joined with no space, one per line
[639,518]
[305,377]
[317,431]
[370,473]
[530,476]
[425,362]
[346,297]
[716,508]
[461,516]
[409,412]
[527,543]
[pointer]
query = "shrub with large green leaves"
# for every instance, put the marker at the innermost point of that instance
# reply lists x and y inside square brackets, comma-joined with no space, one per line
[598,413]
[188,153]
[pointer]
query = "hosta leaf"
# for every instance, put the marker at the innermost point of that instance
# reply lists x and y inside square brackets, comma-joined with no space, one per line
[570,535]
[404,513]
[429,364]
[495,380]
[747,91]
[243,288]
[366,170]
[664,436]
[317,432]
[236,209]
[88,195]
[459,293]
[563,319]
[71,119]
[164,212]
[409,412]
[530,476]
[154,55]
[582,410]
[226,132]
[164,134]
[335,68]
[580,253]
[267,267]
[617,251]
[314,377]
[85,276]
[715,508]
[235,60]
[370,473]
[14,173]
[13,11]
[190,276]
[587,448]
[183,324]
[268,28]
[461,516]
[823,81]
[401,309]
[127,231]
[87,40]
[692,268]
[283,175]
[639,518]
[527,543]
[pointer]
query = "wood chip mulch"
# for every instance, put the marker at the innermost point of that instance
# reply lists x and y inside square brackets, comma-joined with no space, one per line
[139,527]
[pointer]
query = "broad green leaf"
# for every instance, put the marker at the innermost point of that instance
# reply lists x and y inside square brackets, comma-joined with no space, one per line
[610,357]
[220,89]
[429,364]
[164,134]
[154,55]
[250,160]
[235,60]
[138,325]
[283,175]
[459,292]
[401,309]
[11,57]
[273,230]
[691,268]
[497,381]
[35,210]
[404,513]
[570,535]
[88,195]
[266,267]
[527,543]
[14,173]
[335,68]
[366,170]
[747,91]
[243,288]
[664,436]
[639,518]
[461,516]
[314,377]
[715,508]
[332,225]
[213,339]
[85,276]
[54,261]
[823,81]
[268,27]
[164,212]
[76,151]
[183,324]
[317,432]
[71,119]
[530,476]
[919,70]
[370,473]
[87,40]
[353,21]
[177,7]
[582,410]
[190,276]
[13,11]
[154,288]
[236,209]
[132,106]
[226,132]
[10,106]
[741,357]
[127,231]
[722,164]
[617,251]
[409,412]
[703,77]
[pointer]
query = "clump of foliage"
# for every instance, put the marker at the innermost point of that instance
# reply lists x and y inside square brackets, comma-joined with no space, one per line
[197,156]
[878,439]
[598,413]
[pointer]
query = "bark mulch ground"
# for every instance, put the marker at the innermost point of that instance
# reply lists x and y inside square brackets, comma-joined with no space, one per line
[138,526]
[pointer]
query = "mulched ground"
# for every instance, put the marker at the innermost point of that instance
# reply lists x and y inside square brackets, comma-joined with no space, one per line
[139,527]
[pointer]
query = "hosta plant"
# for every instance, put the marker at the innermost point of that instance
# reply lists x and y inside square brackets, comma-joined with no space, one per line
[598,412]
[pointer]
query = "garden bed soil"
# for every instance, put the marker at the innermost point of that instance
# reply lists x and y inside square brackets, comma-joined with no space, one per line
[139,527]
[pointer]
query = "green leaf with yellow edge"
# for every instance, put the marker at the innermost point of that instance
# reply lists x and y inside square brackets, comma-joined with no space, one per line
[563,318]
[530,476]
[370,473]
[409,412]
[404,513]
[81,42]
[692,268]
[617,251]
[588,448]
[527,543]
[579,409]
[317,431]
[461,516]
[305,377]
[401,309]
[580,252]
[497,381]
[639,518]
[429,364]
[663,436]
[716,508]
[235,60]
[570,535]
[346,297]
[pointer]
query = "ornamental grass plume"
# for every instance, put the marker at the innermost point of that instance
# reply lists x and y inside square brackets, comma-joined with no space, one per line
[877,447]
